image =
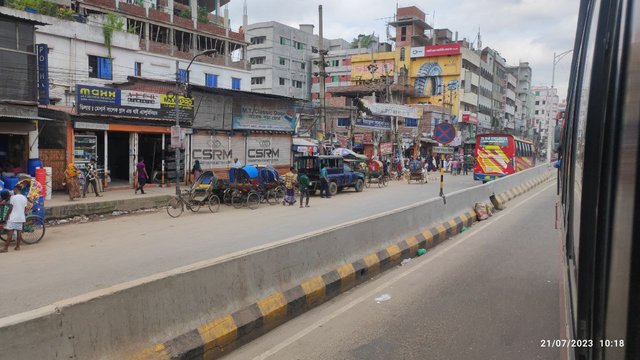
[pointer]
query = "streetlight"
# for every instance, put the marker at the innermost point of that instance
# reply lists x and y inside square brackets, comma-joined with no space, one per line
[556,60]
[177,99]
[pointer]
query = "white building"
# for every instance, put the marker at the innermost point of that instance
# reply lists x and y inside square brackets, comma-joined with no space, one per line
[545,113]
[280,57]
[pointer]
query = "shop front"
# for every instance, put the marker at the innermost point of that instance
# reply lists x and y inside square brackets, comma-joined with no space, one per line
[15,136]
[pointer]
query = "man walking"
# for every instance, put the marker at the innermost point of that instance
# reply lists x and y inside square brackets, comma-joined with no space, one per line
[15,219]
[303,186]
[91,179]
[141,172]
[289,184]
[324,179]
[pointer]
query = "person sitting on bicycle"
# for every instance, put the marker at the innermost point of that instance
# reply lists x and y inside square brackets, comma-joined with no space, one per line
[385,168]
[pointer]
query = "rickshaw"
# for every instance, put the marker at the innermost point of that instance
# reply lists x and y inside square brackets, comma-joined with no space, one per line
[375,174]
[201,193]
[415,172]
[34,227]
[250,185]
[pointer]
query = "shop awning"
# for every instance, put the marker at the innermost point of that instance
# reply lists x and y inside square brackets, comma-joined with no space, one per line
[4,117]
[428,141]
[16,127]
[303,142]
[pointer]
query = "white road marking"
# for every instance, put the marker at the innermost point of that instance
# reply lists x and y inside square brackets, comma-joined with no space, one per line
[443,250]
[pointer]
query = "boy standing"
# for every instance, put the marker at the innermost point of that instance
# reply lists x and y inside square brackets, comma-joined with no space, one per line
[16,218]
[303,185]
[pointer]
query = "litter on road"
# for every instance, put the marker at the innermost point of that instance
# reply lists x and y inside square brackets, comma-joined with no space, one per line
[383,298]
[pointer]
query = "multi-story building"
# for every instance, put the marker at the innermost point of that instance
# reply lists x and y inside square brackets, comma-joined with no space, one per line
[544,115]
[18,93]
[498,93]
[523,74]
[510,83]
[280,57]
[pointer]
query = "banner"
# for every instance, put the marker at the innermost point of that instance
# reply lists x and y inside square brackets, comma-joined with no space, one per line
[131,103]
[391,109]
[261,115]
[435,50]
[43,74]
[470,118]
[386,148]
[358,138]
[373,123]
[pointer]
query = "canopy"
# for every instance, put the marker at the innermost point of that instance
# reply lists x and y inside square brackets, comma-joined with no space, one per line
[246,173]
[346,153]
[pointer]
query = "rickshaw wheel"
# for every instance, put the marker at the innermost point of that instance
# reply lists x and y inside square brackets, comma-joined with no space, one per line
[271,197]
[175,207]
[214,203]
[33,229]
[226,196]
[236,199]
[279,194]
[253,201]
[367,182]
[384,180]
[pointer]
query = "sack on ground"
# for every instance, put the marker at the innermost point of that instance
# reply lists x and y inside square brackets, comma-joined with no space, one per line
[482,211]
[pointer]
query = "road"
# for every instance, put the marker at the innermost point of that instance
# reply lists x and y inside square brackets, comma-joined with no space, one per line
[76,259]
[489,293]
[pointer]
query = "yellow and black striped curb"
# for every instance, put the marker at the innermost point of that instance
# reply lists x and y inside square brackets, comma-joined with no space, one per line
[502,198]
[220,336]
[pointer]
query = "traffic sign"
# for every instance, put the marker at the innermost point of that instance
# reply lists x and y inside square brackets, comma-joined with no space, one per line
[442,149]
[444,133]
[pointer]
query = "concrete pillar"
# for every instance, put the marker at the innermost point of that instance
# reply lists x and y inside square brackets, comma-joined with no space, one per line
[217,11]
[34,150]
[172,40]
[194,12]
[106,158]
[170,4]
[147,5]
[147,35]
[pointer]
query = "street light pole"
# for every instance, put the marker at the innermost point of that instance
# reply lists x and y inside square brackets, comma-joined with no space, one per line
[556,60]
[177,100]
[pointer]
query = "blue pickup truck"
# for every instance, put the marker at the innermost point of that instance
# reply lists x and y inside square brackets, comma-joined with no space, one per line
[340,175]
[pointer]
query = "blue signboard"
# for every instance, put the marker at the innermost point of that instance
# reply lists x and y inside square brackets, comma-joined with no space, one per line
[373,123]
[43,74]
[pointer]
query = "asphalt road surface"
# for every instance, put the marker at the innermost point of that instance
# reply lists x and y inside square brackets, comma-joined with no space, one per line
[76,259]
[489,293]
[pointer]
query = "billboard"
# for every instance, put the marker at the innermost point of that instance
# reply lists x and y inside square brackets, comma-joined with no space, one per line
[261,115]
[435,50]
[43,74]
[362,70]
[107,101]
[373,123]
[218,151]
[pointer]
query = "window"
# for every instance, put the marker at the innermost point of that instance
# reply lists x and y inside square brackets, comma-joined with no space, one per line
[283,81]
[284,41]
[8,40]
[544,102]
[537,112]
[235,83]
[403,33]
[183,75]
[402,54]
[137,69]
[211,80]
[299,45]
[542,111]
[257,80]
[298,84]
[257,60]
[100,67]
[410,122]
[344,122]
[334,63]
[302,65]
[283,61]
[258,40]
[537,102]
[335,79]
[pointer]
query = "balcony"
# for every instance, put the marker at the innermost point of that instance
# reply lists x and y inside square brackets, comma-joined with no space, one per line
[159,15]
[211,28]
[183,22]
[133,9]
[109,4]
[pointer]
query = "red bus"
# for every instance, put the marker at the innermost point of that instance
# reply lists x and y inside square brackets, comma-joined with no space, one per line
[499,155]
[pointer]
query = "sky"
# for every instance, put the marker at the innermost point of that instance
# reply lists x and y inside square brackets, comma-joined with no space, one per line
[520,30]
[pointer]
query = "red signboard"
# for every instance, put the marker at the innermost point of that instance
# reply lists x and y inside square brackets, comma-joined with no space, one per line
[386,148]
[358,138]
[442,50]
[470,118]
[342,140]
[368,138]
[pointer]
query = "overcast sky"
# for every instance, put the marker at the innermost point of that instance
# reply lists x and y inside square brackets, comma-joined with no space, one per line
[527,30]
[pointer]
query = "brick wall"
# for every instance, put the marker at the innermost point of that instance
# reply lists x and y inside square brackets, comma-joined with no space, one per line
[55,159]
[159,15]
[133,9]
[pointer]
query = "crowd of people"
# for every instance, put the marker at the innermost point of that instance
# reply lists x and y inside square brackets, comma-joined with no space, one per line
[455,165]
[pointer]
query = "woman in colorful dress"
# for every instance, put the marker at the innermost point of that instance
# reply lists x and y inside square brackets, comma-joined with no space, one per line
[73,183]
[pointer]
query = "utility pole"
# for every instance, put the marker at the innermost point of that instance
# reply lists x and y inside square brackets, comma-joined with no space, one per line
[177,148]
[322,74]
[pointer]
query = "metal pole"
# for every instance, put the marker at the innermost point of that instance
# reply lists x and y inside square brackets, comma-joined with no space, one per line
[177,148]
[323,122]
[553,72]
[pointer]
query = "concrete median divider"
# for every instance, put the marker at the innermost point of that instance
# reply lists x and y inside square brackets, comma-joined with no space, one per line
[105,207]
[206,309]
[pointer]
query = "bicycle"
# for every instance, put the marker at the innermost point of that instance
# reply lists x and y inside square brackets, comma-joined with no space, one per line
[176,205]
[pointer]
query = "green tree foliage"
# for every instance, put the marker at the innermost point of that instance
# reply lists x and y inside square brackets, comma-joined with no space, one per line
[203,15]
[111,23]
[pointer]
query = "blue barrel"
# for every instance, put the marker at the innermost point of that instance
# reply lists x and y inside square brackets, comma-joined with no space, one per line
[32,164]
[10,182]
[38,208]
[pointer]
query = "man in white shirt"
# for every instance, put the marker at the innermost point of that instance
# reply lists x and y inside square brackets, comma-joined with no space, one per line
[237,164]
[15,218]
